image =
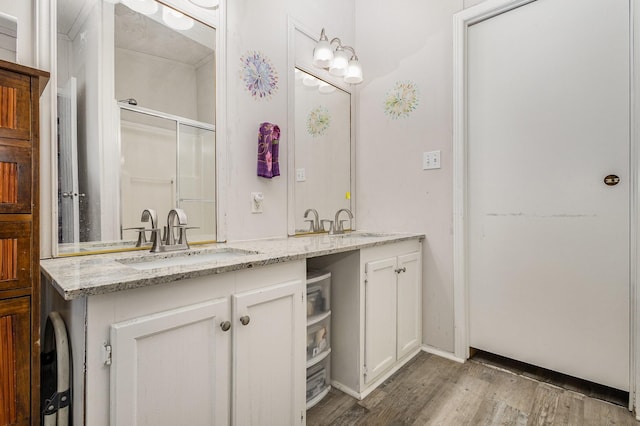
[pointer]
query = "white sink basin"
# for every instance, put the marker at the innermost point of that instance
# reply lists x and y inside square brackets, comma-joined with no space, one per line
[158,261]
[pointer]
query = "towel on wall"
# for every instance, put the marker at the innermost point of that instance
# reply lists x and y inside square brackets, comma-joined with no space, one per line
[268,147]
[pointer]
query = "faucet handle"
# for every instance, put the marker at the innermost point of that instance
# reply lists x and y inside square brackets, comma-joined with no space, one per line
[142,235]
[182,233]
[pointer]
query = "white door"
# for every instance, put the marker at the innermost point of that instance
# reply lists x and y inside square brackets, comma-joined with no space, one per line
[548,241]
[380,317]
[409,295]
[172,368]
[68,194]
[269,355]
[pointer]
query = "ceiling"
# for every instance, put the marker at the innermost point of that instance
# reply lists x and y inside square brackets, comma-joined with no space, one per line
[143,33]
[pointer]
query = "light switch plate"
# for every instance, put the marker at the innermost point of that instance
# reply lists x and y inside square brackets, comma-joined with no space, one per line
[256,202]
[431,160]
[300,175]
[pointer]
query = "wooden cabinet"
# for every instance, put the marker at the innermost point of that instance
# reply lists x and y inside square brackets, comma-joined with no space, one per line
[20,89]
[213,350]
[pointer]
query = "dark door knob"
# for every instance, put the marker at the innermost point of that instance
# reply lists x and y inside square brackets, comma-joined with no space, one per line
[611,180]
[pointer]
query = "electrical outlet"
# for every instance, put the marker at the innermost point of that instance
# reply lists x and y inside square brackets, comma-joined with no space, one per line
[256,202]
[300,175]
[431,160]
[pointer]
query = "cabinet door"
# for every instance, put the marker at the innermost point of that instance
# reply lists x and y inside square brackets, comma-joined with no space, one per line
[409,303]
[15,98]
[15,360]
[172,368]
[15,254]
[380,317]
[269,355]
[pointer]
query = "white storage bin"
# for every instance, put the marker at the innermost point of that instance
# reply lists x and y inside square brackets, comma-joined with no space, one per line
[318,293]
[318,342]
[318,378]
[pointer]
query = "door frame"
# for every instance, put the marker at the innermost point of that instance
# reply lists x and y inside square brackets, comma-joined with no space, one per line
[461,22]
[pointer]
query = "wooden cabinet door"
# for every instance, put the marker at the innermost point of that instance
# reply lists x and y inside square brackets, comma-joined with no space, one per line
[15,105]
[380,317]
[172,367]
[15,255]
[15,361]
[15,179]
[269,355]
[409,288]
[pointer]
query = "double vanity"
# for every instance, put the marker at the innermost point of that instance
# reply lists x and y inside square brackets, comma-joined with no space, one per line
[216,334]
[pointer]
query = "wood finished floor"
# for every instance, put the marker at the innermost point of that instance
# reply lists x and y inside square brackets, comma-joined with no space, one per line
[431,390]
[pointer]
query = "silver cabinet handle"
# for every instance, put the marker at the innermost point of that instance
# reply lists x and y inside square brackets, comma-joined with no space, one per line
[245,319]
[225,326]
[403,269]
[67,195]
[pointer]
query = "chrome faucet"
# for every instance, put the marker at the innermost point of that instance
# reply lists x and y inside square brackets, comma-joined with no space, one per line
[168,241]
[338,224]
[182,222]
[314,224]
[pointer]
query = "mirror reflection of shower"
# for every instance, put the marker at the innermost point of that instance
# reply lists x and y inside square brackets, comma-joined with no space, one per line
[155,67]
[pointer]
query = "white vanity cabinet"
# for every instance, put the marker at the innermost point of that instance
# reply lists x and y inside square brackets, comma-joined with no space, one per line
[376,310]
[214,350]
[392,316]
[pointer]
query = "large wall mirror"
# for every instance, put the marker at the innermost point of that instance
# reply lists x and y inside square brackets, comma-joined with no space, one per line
[321,157]
[136,120]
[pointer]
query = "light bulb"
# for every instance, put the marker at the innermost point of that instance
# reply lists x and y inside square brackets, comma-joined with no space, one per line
[326,88]
[146,7]
[322,54]
[175,19]
[339,64]
[309,81]
[354,72]
[209,4]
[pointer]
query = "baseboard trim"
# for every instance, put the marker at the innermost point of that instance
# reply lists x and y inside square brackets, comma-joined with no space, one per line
[377,382]
[442,354]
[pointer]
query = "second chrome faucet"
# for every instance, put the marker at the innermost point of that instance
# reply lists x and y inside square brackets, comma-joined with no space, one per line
[169,241]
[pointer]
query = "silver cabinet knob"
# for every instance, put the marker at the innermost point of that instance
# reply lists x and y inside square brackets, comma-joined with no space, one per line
[245,319]
[403,269]
[67,195]
[225,326]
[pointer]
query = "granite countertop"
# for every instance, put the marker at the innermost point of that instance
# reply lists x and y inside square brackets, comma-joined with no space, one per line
[81,276]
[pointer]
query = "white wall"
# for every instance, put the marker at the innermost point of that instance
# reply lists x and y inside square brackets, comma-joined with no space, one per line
[261,25]
[399,41]
[23,10]
[403,40]
[140,76]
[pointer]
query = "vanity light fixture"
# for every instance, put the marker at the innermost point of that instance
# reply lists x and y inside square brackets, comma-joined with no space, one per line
[176,20]
[338,61]
[146,7]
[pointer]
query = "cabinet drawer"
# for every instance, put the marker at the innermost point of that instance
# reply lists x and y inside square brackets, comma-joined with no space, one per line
[318,339]
[15,106]
[15,359]
[15,179]
[15,255]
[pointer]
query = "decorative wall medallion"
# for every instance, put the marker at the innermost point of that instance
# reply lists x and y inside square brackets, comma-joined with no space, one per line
[318,121]
[401,100]
[259,75]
